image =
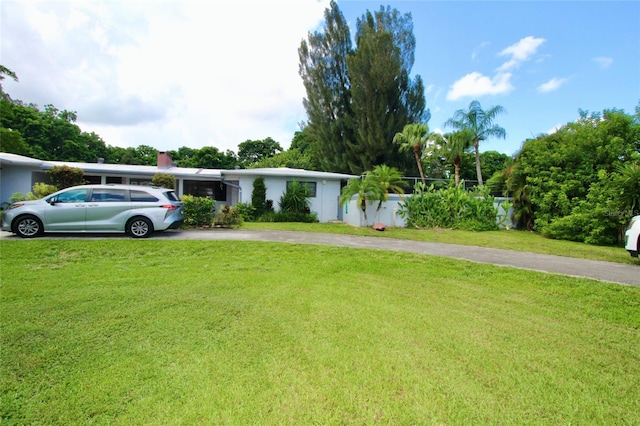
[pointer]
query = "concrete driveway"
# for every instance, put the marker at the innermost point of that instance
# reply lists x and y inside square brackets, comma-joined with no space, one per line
[598,270]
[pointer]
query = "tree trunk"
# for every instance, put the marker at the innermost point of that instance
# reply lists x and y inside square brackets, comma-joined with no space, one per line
[476,143]
[416,152]
[456,168]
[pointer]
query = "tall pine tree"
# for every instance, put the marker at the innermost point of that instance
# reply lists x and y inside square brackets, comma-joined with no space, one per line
[323,68]
[358,99]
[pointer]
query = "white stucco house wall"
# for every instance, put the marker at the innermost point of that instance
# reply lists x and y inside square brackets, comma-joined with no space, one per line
[19,174]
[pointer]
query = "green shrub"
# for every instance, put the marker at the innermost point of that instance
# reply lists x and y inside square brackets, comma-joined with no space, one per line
[452,207]
[246,211]
[285,216]
[227,217]
[164,180]
[18,196]
[41,190]
[294,199]
[198,211]
[259,196]
[65,176]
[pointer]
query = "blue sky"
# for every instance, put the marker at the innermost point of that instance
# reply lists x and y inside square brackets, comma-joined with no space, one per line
[566,56]
[196,73]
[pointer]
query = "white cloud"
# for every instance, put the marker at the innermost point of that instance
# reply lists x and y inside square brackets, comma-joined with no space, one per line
[520,52]
[476,84]
[554,129]
[603,61]
[165,74]
[551,85]
[477,50]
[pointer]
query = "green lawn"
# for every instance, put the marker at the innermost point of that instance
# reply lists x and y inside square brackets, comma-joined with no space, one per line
[130,332]
[505,239]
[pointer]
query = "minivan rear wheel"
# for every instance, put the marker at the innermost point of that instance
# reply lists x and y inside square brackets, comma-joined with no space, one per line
[28,226]
[139,227]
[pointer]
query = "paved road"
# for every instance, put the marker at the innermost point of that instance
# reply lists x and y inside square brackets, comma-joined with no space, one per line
[603,271]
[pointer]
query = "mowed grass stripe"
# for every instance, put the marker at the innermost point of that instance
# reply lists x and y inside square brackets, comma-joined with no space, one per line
[203,332]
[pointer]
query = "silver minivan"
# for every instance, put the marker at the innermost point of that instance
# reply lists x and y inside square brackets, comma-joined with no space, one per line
[136,210]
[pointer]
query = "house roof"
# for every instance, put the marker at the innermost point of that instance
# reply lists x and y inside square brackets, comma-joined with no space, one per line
[286,172]
[18,160]
[128,169]
[181,172]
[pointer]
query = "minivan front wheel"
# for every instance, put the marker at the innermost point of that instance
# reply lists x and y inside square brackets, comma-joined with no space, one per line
[28,226]
[139,227]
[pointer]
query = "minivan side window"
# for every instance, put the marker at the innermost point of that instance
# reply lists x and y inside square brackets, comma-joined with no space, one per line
[142,196]
[105,195]
[71,196]
[171,196]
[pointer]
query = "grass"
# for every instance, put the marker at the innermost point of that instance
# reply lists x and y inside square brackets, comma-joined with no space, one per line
[217,332]
[504,239]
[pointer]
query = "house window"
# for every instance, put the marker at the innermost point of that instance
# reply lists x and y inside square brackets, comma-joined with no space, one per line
[211,189]
[311,186]
[114,179]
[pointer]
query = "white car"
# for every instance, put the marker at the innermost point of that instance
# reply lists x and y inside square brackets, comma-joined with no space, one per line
[136,210]
[632,237]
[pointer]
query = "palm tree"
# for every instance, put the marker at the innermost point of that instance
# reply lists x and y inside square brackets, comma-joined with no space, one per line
[390,181]
[451,146]
[366,188]
[480,123]
[412,139]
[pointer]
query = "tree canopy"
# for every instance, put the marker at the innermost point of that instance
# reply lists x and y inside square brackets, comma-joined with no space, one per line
[582,182]
[359,98]
[481,124]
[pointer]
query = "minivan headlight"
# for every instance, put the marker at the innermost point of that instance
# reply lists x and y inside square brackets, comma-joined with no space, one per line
[15,206]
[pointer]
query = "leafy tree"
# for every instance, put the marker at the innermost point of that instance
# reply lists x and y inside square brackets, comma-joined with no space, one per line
[13,142]
[250,151]
[4,71]
[412,139]
[49,135]
[481,124]
[291,158]
[184,156]
[207,157]
[302,141]
[572,183]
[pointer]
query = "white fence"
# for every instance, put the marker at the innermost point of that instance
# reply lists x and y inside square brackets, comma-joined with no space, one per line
[389,215]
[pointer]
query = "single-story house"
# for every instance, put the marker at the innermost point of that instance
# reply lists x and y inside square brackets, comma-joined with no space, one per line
[227,187]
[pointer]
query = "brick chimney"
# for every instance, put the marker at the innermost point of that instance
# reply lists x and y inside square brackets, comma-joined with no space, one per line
[164,160]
